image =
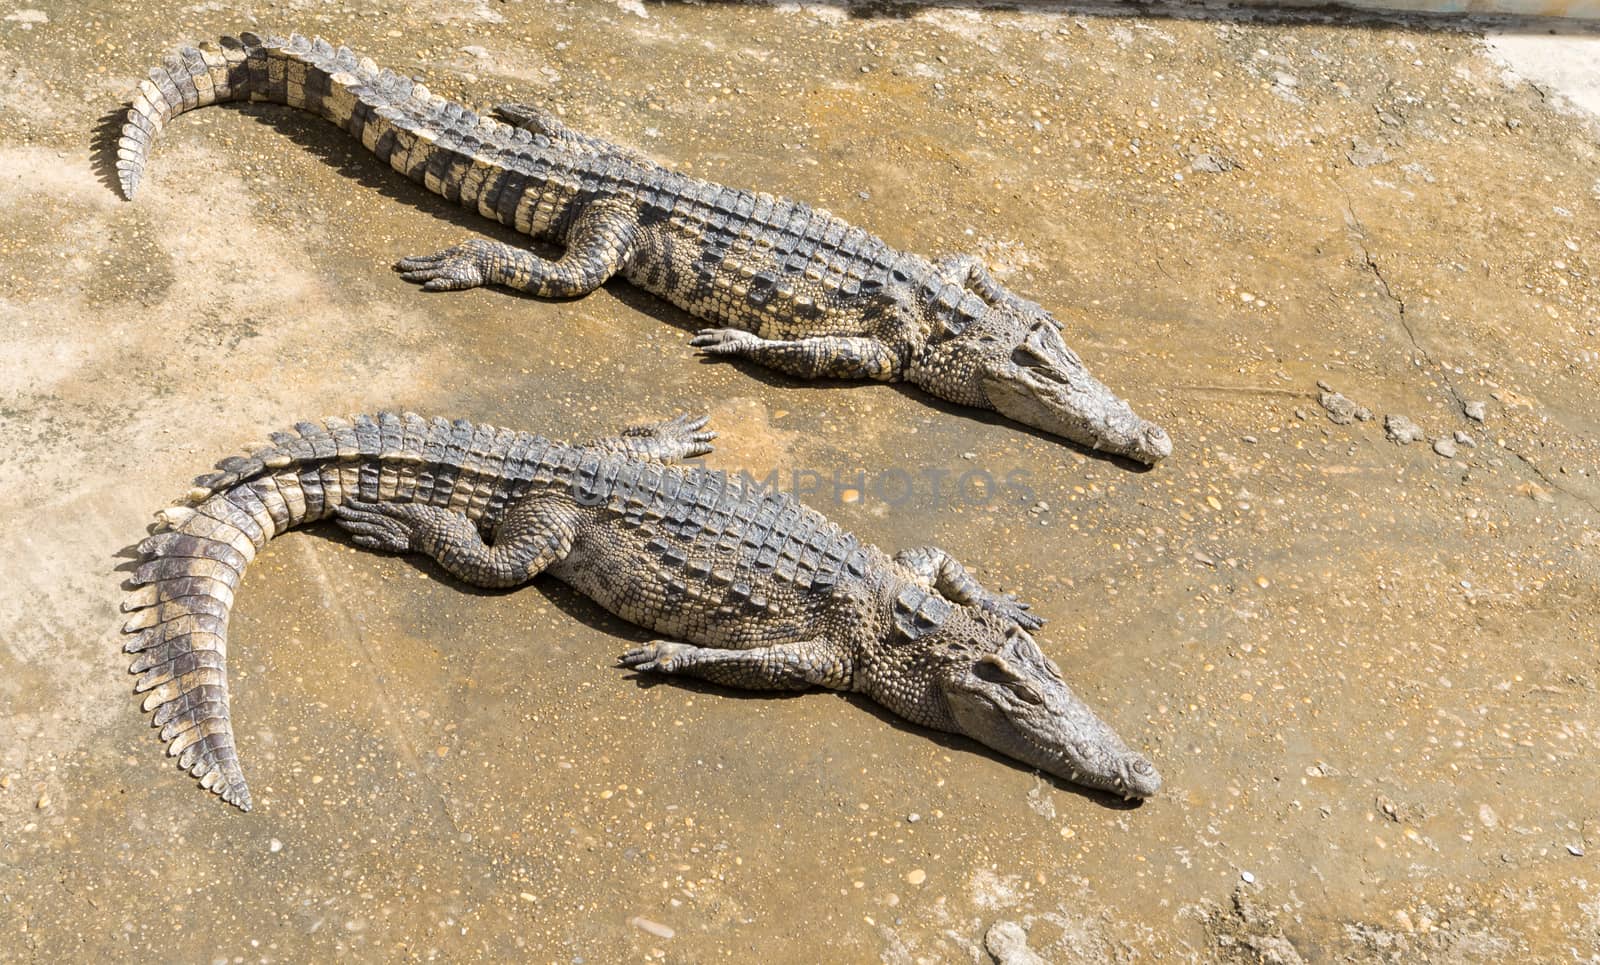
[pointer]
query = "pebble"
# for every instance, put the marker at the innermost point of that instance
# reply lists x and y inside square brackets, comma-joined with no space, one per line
[1247,877]
[1476,411]
[1487,817]
[1008,943]
[913,817]
[916,876]
[44,801]
[1576,850]
[1341,411]
[1445,447]
[652,927]
[1402,431]
[274,846]
[1465,439]
[1211,164]
[969,456]
[1251,439]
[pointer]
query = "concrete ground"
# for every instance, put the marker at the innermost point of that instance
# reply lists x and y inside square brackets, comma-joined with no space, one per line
[1367,670]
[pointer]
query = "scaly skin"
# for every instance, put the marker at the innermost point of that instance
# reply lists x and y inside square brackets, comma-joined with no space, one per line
[750,588]
[785,285]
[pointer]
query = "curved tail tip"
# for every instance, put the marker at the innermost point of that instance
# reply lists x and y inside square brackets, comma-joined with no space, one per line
[129,180]
[236,794]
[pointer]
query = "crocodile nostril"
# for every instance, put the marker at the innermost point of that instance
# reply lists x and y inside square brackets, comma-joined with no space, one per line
[1143,767]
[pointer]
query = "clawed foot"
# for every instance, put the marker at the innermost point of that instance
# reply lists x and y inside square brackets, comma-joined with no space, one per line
[1013,609]
[684,437]
[662,656]
[376,526]
[724,341]
[466,265]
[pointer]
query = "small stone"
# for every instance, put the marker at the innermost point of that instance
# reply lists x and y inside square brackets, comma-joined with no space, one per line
[916,876]
[528,897]
[1535,492]
[1474,410]
[913,817]
[1401,430]
[1445,447]
[651,927]
[969,456]
[1211,164]
[1251,439]
[44,801]
[274,846]
[1465,439]
[1576,850]
[1247,877]
[1487,817]
[1301,414]
[1008,943]
[474,50]
[1341,411]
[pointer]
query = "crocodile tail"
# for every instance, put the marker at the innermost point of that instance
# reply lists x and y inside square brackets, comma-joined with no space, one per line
[187,573]
[308,74]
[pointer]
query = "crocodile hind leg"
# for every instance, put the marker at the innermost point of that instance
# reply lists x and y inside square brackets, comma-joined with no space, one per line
[599,245]
[534,534]
[783,666]
[674,440]
[822,357]
[935,568]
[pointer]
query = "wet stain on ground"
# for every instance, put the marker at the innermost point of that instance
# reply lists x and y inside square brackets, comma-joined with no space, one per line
[1367,670]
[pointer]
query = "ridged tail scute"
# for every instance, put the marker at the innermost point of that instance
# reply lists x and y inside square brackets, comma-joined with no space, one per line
[188,571]
[309,74]
[425,137]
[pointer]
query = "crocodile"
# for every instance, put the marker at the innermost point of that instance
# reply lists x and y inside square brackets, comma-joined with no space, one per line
[784,284]
[749,587]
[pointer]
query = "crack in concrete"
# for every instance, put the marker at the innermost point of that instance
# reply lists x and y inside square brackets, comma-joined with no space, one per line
[1549,481]
[1371,264]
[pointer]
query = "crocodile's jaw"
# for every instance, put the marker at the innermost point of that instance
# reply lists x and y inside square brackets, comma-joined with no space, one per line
[1045,385]
[1016,702]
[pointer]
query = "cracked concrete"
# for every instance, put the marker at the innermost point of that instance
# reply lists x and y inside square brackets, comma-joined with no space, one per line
[1367,671]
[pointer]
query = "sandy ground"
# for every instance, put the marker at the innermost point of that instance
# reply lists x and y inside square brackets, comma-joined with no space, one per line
[1368,671]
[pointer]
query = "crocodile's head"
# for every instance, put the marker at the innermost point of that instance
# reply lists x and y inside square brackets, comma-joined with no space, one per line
[1014,700]
[1014,361]
[1043,383]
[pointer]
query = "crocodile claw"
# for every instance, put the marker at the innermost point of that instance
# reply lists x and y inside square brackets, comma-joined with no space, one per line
[463,266]
[374,526]
[723,341]
[661,656]
[1014,610]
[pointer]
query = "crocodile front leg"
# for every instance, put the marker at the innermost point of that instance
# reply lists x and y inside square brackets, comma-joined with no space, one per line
[971,273]
[784,666]
[823,357]
[940,571]
[534,534]
[598,246]
[674,440]
[532,117]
